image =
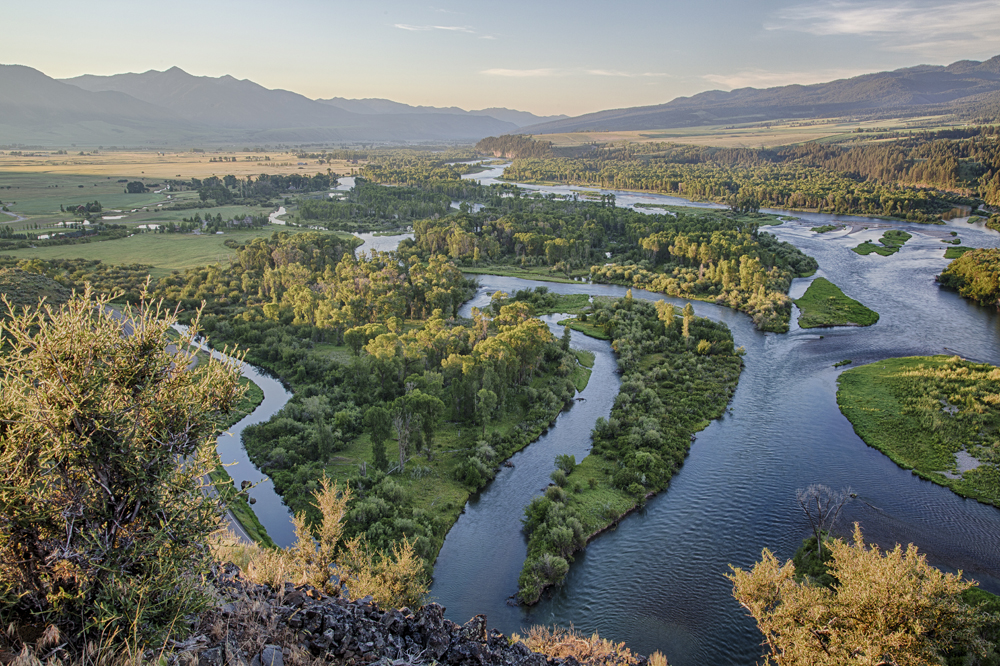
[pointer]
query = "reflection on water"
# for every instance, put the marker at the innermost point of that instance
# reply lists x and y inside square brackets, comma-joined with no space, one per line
[657,581]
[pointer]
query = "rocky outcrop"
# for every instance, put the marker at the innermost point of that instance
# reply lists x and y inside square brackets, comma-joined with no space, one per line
[255,625]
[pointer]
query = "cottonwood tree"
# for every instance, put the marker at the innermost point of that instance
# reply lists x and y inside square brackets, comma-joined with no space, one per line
[887,609]
[822,507]
[105,437]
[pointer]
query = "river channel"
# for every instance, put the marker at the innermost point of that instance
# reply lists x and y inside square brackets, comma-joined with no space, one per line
[657,581]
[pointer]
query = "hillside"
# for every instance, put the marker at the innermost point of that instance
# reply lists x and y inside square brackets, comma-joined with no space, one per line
[962,87]
[175,108]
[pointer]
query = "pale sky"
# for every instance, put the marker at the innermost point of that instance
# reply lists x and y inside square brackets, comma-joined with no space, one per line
[544,57]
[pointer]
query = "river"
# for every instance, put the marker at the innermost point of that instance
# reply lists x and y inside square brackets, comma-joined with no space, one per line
[268,505]
[657,581]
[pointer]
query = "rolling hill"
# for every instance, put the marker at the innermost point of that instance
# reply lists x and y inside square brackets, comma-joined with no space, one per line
[961,87]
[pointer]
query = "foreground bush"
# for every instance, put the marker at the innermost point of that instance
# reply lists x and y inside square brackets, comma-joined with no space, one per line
[886,608]
[104,439]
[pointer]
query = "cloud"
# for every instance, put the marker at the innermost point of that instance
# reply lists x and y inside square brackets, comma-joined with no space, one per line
[935,29]
[759,78]
[425,28]
[614,72]
[521,73]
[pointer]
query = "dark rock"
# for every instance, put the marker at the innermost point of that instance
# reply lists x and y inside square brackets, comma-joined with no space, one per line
[210,657]
[272,655]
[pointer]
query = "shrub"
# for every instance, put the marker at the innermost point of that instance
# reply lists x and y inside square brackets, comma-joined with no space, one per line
[104,441]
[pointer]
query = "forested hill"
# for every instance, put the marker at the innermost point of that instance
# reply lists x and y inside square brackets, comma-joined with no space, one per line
[968,87]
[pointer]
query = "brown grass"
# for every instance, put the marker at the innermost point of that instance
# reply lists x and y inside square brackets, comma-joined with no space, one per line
[169,165]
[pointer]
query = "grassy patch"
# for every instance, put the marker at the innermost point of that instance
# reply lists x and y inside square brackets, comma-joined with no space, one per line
[923,410]
[891,241]
[542,273]
[586,328]
[585,358]
[824,304]
[581,373]
[840,364]
[164,252]
[827,227]
[956,252]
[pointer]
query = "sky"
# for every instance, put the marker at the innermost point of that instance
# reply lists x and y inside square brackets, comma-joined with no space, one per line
[540,56]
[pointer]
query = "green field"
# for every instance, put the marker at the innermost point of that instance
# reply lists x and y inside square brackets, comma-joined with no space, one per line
[165,252]
[824,304]
[586,328]
[930,414]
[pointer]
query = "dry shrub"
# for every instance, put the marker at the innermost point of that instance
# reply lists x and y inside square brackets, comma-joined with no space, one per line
[559,643]
[393,579]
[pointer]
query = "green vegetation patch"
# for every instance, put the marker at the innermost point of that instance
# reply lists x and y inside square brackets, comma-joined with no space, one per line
[827,227]
[891,241]
[679,372]
[581,373]
[543,301]
[975,275]
[824,304]
[936,415]
[24,289]
[585,327]
[956,252]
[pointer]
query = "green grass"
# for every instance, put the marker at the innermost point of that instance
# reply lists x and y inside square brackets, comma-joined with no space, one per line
[585,327]
[541,273]
[891,241]
[585,358]
[827,227]
[922,410]
[824,304]
[840,364]
[564,304]
[581,373]
[956,252]
[165,252]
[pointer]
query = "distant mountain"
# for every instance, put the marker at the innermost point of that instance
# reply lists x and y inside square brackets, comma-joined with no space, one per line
[176,108]
[279,115]
[955,87]
[36,109]
[375,106]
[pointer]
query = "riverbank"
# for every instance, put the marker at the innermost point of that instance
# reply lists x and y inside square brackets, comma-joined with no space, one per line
[239,508]
[675,381]
[824,304]
[935,415]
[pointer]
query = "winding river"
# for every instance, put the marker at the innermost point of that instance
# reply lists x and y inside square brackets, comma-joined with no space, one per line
[657,581]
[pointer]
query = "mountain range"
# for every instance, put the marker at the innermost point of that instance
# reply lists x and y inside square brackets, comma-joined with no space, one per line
[961,87]
[174,107]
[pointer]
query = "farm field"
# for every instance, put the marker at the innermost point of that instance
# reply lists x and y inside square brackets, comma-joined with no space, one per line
[164,252]
[750,135]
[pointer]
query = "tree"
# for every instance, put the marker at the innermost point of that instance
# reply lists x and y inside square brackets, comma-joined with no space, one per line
[378,420]
[822,506]
[688,316]
[105,437]
[887,609]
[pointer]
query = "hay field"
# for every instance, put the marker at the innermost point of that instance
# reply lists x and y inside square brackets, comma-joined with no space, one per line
[752,135]
[151,164]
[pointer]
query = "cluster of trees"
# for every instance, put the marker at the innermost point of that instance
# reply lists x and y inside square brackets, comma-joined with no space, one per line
[514,146]
[415,169]
[76,274]
[247,190]
[975,275]
[678,371]
[368,205]
[711,256]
